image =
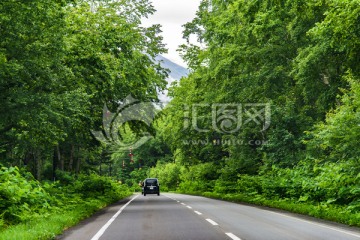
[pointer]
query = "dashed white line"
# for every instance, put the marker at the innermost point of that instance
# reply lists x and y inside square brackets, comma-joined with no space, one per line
[103,229]
[212,222]
[232,236]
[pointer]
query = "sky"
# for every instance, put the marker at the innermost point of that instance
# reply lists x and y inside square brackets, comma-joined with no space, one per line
[172,14]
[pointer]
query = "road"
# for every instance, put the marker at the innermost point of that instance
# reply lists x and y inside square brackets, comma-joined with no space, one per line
[180,217]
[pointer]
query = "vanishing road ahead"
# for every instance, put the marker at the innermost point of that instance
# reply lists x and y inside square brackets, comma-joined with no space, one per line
[183,217]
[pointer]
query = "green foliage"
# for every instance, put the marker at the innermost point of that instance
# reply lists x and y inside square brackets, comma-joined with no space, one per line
[324,190]
[24,199]
[52,225]
[337,137]
[60,63]
[300,57]
[327,183]
[168,175]
[30,73]
[198,178]
[21,196]
[288,54]
[94,186]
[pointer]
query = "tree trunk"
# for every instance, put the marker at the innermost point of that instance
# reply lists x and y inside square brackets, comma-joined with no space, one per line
[37,161]
[71,162]
[78,163]
[54,164]
[26,159]
[60,159]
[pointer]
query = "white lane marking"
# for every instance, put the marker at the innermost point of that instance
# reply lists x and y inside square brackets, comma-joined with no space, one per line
[232,236]
[103,229]
[319,225]
[178,201]
[198,213]
[189,207]
[212,222]
[183,204]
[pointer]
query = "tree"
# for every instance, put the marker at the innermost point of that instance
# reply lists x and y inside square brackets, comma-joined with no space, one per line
[60,62]
[287,54]
[336,138]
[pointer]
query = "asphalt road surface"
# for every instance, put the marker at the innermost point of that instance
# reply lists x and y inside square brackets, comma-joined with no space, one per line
[182,217]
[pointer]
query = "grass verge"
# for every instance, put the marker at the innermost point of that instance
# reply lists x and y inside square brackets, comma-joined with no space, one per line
[44,227]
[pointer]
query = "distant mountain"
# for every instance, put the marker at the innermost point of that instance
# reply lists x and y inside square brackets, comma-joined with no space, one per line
[176,73]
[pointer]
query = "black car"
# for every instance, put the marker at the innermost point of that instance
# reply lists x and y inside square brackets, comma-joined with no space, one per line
[151,186]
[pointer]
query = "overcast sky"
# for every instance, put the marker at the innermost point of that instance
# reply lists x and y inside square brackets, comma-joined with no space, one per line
[172,14]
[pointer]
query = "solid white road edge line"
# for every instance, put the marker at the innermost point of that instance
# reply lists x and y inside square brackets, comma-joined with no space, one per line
[103,229]
[198,213]
[319,225]
[232,236]
[212,222]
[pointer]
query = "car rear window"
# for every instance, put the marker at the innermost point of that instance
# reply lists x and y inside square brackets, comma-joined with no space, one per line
[151,181]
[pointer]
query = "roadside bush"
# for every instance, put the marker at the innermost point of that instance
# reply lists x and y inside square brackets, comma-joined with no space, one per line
[20,198]
[168,175]
[198,178]
[327,183]
[249,184]
[222,186]
[95,186]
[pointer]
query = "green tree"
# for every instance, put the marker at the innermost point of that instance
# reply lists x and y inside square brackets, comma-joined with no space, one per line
[336,138]
[60,62]
[31,74]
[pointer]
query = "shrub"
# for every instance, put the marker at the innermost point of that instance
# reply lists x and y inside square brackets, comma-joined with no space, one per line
[20,198]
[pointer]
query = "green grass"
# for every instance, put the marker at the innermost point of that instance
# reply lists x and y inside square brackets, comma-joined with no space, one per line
[329,212]
[48,227]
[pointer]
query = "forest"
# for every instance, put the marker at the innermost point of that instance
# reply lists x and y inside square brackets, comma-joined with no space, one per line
[269,113]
